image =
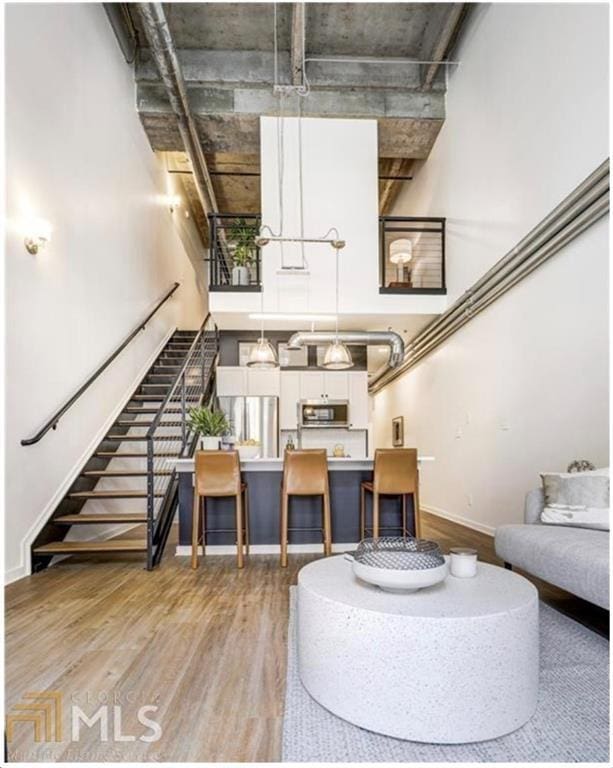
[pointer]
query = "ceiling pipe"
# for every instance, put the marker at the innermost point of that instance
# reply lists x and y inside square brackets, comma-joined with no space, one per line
[389,338]
[165,56]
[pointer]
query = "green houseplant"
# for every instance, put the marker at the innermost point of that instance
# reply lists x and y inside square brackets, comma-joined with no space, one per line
[210,425]
[242,235]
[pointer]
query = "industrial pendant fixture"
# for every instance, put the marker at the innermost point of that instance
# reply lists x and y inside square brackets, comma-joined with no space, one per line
[338,356]
[263,354]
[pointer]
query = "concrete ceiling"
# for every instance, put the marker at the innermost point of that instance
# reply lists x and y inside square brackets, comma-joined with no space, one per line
[225,51]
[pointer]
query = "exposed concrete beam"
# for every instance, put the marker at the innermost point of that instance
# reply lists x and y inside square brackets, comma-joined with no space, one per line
[398,137]
[446,37]
[362,103]
[297,43]
[235,68]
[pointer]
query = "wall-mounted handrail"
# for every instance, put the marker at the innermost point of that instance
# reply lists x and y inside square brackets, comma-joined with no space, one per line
[52,422]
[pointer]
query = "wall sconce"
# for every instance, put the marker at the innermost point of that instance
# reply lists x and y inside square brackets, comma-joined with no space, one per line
[37,233]
[174,201]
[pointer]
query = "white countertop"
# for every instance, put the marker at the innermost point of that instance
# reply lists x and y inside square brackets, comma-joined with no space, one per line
[276,464]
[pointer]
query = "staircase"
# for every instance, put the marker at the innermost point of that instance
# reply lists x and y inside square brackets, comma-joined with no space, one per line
[128,481]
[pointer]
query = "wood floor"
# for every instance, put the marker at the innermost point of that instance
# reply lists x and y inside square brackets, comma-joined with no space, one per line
[208,648]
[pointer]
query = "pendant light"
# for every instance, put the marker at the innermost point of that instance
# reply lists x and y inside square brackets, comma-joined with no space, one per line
[338,356]
[263,354]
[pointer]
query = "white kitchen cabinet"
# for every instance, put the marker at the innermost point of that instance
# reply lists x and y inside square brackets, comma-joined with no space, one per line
[231,381]
[288,402]
[336,385]
[263,383]
[312,385]
[324,385]
[358,399]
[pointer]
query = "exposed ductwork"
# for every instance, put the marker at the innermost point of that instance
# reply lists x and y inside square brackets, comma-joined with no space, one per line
[354,338]
[165,56]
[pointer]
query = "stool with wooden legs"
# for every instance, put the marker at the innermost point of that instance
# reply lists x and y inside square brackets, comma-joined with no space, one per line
[395,473]
[305,473]
[218,474]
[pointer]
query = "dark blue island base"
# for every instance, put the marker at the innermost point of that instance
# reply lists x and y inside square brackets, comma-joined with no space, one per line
[264,490]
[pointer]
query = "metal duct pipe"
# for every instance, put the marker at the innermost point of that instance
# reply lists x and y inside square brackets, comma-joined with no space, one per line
[591,189]
[576,213]
[165,56]
[354,338]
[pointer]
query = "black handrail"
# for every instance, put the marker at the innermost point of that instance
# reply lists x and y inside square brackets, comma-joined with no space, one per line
[53,421]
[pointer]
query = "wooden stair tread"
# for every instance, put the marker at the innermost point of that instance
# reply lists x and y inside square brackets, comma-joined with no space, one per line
[121,473]
[126,517]
[130,423]
[133,455]
[75,547]
[127,494]
[142,438]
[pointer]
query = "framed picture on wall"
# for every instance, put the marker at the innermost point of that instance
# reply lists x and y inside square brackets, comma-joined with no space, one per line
[398,432]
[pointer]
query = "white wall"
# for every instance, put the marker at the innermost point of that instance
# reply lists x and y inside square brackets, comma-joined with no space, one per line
[523,387]
[340,189]
[77,156]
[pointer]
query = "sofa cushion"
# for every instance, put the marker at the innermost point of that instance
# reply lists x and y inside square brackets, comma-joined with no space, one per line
[580,499]
[574,559]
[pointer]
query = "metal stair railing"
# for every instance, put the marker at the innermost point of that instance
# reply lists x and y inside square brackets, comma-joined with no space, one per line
[192,386]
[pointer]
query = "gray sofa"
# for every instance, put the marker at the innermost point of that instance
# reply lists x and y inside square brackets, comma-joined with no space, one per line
[574,559]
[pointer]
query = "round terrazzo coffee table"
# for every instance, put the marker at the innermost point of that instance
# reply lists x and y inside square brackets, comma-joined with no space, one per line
[453,663]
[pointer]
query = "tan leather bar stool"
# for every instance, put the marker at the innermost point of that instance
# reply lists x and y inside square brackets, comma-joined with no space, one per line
[305,473]
[395,474]
[218,474]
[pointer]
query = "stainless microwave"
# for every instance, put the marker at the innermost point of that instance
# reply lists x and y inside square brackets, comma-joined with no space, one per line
[318,413]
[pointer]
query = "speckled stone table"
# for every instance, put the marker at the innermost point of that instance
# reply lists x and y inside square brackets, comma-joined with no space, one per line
[450,664]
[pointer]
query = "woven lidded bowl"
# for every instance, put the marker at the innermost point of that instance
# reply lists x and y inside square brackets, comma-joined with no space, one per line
[399,553]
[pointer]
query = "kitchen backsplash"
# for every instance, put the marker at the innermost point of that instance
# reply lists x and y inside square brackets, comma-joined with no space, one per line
[353,441]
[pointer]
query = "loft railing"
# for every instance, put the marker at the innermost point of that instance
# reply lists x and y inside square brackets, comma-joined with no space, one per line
[424,271]
[234,259]
[54,419]
[169,434]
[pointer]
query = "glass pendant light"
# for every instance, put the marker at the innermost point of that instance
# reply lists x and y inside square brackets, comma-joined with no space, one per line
[263,354]
[338,356]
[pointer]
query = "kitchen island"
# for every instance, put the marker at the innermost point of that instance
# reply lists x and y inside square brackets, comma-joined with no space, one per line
[263,478]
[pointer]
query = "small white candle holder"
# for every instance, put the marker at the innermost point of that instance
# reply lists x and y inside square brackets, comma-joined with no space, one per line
[463,562]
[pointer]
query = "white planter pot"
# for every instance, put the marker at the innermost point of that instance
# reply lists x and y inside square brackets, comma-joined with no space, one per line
[240,276]
[209,443]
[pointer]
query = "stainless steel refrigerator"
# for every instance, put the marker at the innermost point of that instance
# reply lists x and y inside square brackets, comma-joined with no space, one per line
[254,418]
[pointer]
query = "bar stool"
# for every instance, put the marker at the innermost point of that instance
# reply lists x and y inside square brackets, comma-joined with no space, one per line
[395,474]
[305,473]
[218,474]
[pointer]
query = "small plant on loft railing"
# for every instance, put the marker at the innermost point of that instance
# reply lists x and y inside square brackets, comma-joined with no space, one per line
[242,235]
[210,425]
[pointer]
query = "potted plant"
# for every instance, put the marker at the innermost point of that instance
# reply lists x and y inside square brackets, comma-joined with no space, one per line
[242,235]
[210,425]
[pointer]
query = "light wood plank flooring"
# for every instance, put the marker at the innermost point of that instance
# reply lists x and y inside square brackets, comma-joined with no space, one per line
[208,648]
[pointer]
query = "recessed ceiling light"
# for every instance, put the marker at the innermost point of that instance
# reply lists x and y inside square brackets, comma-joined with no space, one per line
[292,317]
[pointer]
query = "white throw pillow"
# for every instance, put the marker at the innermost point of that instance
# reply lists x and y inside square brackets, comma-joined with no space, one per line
[579,499]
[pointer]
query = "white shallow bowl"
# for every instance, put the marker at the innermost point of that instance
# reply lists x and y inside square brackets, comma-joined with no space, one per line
[394,580]
[248,452]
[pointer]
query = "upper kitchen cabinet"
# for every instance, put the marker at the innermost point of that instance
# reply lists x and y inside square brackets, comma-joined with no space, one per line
[231,381]
[237,381]
[320,385]
[263,383]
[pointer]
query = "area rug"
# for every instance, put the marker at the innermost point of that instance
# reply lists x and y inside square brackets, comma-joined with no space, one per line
[571,723]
